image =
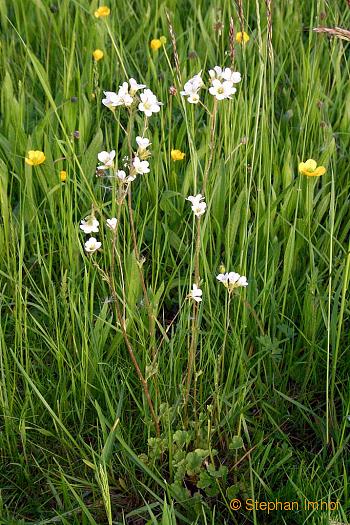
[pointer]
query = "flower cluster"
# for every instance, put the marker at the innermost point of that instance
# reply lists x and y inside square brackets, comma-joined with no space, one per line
[222,84]
[127,94]
[91,225]
[192,87]
[232,280]
[148,104]
[138,166]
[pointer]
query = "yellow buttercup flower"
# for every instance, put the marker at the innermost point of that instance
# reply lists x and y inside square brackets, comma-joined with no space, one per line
[35,158]
[176,154]
[310,168]
[155,44]
[63,176]
[242,38]
[102,11]
[97,54]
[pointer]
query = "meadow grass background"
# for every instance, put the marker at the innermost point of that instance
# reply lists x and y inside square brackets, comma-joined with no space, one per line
[75,428]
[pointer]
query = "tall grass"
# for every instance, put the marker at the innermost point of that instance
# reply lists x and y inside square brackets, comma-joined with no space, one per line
[269,399]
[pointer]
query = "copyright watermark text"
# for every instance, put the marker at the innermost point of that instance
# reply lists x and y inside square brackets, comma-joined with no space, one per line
[276,505]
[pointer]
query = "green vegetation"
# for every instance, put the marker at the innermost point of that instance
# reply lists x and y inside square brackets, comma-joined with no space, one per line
[262,410]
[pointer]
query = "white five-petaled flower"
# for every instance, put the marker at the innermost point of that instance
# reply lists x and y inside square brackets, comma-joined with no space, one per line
[134,86]
[143,143]
[191,89]
[221,90]
[112,100]
[92,245]
[195,293]
[112,223]
[198,204]
[232,280]
[107,159]
[141,166]
[89,225]
[149,103]
[124,177]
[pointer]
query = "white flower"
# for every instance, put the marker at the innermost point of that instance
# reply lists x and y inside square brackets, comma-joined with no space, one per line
[221,90]
[216,72]
[112,99]
[134,86]
[194,84]
[89,225]
[141,166]
[191,89]
[143,143]
[195,198]
[231,76]
[149,103]
[198,205]
[112,223]
[124,177]
[107,159]
[232,280]
[225,74]
[124,95]
[193,98]
[195,293]
[92,245]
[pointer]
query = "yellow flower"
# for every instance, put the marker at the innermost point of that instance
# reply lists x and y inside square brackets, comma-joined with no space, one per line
[176,154]
[97,54]
[242,38]
[35,158]
[155,44]
[102,11]
[222,268]
[310,168]
[63,176]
